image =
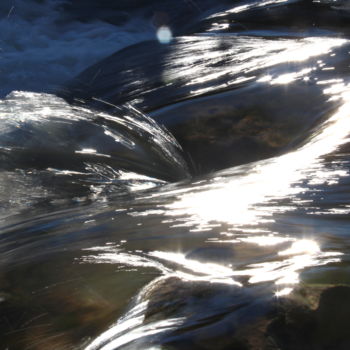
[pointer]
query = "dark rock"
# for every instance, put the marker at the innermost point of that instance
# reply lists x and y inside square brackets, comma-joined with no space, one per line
[292,327]
[216,315]
[243,125]
[242,321]
[300,326]
[333,318]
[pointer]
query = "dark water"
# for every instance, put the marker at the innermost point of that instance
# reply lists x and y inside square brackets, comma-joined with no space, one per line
[221,223]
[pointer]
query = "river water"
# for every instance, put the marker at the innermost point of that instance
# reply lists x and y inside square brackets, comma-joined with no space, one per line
[221,233]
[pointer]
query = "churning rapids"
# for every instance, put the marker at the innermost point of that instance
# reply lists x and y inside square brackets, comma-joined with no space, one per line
[174,174]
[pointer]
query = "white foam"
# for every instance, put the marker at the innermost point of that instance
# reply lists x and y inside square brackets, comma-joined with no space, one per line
[39,50]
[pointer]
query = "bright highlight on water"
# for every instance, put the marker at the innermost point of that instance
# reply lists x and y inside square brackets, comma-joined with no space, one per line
[164,35]
[174,176]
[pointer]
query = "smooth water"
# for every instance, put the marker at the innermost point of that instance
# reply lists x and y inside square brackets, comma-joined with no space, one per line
[108,242]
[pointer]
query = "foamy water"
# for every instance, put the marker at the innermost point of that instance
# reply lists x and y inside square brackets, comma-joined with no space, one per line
[40,50]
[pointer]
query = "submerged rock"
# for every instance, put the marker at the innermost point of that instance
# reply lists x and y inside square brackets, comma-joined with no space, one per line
[213,315]
[231,317]
[301,326]
[228,100]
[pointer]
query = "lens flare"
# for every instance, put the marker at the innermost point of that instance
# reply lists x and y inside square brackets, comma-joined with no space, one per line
[164,35]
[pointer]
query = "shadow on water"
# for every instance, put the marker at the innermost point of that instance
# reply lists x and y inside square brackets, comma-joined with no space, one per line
[98,250]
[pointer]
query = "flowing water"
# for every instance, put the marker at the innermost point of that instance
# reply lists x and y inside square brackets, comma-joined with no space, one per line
[119,234]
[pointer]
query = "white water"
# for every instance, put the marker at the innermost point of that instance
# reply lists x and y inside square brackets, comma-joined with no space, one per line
[39,50]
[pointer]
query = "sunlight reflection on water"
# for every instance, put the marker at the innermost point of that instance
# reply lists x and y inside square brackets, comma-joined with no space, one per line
[246,199]
[243,199]
[232,201]
[130,328]
[252,5]
[208,63]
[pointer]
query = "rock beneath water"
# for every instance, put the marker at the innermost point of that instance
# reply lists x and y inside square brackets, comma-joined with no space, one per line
[319,323]
[221,98]
[332,318]
[244,125]
[214,315]
[231,317]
